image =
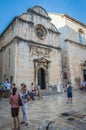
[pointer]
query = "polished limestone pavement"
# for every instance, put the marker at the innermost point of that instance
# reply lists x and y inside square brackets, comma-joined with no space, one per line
[50,113]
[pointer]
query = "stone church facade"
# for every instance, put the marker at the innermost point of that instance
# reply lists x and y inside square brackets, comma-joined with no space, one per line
[44,48]
[29,50]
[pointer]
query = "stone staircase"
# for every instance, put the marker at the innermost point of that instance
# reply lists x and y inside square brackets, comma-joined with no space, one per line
[47,92]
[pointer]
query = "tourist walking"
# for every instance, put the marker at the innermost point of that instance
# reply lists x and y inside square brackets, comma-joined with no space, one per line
[5,88]
[69,92]
[38,93]
[8,88]
[32,92]
[25,98]
[14,102]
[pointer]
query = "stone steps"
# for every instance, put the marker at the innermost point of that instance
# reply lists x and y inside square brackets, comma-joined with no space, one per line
[47,93]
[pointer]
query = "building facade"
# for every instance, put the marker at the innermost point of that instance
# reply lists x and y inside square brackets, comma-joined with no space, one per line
[73,47]
[29,50]
[44,48]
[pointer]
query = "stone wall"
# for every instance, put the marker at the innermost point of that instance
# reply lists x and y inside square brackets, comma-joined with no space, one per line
[73,52]
[8,35]
[25,55]
[7,58]
[77,56]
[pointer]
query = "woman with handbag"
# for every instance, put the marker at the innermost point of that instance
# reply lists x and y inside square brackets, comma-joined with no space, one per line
[14,102]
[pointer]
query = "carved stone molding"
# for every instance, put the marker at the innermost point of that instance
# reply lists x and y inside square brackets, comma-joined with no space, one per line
[41,63]
[37,50]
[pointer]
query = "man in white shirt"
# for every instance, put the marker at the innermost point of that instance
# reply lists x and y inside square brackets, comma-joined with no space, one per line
[8,88]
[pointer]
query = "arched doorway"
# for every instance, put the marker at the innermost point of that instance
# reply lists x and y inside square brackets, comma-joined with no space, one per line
[41,78]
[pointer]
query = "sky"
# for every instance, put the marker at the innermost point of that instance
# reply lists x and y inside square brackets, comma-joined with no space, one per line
[11,8]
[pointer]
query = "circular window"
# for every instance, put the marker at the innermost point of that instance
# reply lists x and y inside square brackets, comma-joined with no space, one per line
[40,31]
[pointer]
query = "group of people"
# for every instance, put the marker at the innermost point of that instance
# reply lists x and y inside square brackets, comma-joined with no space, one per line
[24,96]
[34,91]
[5,88]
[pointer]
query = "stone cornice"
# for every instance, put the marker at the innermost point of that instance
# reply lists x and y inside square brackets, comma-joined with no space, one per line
[28,22]
[11,23]
[7,44]
[50,30]
[69,17]
[8,26]
[33,42]
[30,41]
[25,21]
[71,41]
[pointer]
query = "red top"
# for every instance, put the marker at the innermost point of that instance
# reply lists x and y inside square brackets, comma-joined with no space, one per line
[14,100]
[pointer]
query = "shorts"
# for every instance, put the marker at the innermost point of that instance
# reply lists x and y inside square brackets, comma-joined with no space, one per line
[1,92]
[69,94]
[15,112]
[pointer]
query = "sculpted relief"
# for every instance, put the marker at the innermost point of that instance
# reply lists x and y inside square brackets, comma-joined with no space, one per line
[37,50]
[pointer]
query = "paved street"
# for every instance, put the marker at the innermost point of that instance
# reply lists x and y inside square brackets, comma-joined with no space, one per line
[50,113]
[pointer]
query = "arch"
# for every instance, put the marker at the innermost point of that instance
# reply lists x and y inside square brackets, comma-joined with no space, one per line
[40,10]
[53,27]
[41,78]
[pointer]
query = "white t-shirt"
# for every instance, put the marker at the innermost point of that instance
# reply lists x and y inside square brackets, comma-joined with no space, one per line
[8,86]
[24,100]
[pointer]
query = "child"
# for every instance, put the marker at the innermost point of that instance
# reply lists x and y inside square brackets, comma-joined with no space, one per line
[25,98]
[14,98]
[69,92]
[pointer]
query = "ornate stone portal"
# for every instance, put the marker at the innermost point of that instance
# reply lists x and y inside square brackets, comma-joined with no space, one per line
[41,72]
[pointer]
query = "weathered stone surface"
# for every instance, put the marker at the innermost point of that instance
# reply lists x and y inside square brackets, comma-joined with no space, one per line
[46,113]
[73,51]
[27,46]
[21,47]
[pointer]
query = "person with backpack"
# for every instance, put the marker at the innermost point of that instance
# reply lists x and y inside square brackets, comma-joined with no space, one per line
[69,92]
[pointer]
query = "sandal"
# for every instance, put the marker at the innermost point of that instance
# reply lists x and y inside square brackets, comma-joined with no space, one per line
[18,128]
[14,129]
[22,122]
